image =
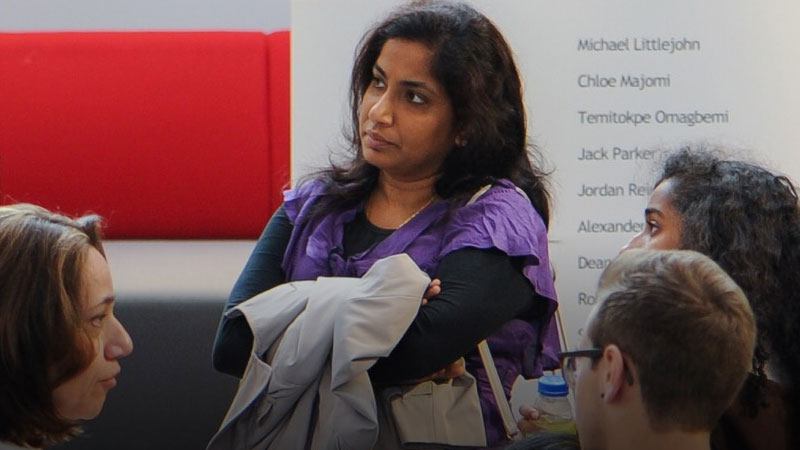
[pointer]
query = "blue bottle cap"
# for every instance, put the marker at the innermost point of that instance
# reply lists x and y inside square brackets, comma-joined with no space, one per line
[552,386]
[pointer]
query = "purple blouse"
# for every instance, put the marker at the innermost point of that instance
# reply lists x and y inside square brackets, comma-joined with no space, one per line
[501,218]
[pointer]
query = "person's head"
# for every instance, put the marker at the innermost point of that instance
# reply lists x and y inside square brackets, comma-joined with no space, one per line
[747,220]
[435,92]
[59,339]
[672,335]
[662,221]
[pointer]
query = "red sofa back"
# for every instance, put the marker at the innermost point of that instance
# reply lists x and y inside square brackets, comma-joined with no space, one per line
[165,134]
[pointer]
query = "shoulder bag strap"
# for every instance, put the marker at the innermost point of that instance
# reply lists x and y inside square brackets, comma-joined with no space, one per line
[497,389]
[491,371]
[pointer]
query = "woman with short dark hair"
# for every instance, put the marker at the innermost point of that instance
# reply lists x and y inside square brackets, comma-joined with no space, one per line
[59,339]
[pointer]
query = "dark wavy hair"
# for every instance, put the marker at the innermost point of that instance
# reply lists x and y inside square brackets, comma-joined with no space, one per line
[42,345]
[747,220]
[473,62]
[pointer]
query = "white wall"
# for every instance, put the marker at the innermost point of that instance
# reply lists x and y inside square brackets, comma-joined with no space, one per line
[49,15]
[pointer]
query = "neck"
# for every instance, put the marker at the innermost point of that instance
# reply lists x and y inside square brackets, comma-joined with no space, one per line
[636,438]
[405,193]
[627,426]
[664,441]
[394,202]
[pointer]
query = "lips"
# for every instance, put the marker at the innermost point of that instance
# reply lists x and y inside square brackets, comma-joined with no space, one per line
[111,381]
[375,140]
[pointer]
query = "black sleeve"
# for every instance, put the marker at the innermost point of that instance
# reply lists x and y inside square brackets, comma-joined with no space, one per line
[263,271]
[481,290]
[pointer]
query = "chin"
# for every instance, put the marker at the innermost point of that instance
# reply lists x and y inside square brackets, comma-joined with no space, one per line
[370,157]
[89,411]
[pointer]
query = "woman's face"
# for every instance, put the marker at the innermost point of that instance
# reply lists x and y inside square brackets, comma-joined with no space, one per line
[662,229]
[406,119]
[82,396]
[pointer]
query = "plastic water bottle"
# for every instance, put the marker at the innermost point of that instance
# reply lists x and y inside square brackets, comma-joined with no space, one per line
[555,412]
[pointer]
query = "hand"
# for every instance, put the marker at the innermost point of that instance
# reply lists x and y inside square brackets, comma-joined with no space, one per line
[452,370]
[527,424]
[433,290]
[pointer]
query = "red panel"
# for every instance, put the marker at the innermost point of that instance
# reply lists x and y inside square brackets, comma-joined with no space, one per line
[166,134]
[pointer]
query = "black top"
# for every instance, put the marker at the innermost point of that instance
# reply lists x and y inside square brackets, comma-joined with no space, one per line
[771,428]
[481,290]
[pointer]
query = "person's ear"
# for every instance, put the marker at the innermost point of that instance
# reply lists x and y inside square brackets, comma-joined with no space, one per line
[613,377]
[461,136]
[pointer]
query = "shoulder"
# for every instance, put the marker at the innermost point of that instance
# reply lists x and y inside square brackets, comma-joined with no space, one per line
[297,200]
[501,217]
[304,190]
[9,446]
[502,201]
[739,428]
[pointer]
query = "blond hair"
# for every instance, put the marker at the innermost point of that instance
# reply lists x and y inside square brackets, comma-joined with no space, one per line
[687,328]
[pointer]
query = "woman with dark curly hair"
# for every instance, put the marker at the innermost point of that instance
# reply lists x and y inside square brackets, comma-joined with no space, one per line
[746,219]
[59,340]
[437,114]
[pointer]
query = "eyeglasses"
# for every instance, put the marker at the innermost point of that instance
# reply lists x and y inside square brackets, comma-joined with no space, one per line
[568,365]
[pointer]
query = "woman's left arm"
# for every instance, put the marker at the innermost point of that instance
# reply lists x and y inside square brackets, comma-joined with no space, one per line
[481,290]
[232,346]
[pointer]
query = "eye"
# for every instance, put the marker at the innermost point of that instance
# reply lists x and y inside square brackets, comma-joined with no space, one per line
[415,98]
[377,82]
[98,320]
[653,226]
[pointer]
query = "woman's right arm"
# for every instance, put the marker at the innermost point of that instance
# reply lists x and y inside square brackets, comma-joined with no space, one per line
[262,272]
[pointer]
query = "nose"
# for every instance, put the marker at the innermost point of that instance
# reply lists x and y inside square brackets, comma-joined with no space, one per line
[119,343]
[381,111]
[635,242]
